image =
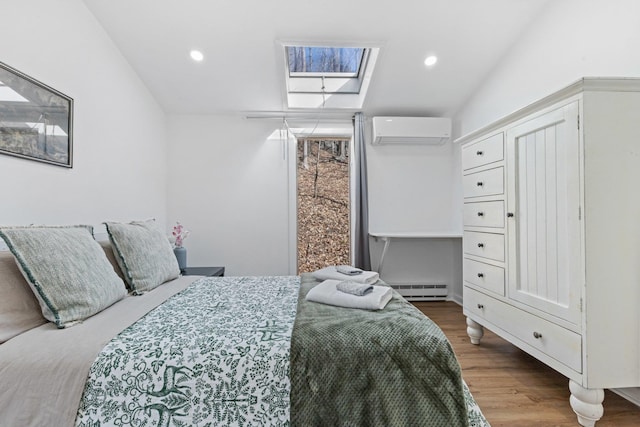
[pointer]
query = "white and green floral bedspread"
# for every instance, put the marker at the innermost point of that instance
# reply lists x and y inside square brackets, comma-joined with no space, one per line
[215,354]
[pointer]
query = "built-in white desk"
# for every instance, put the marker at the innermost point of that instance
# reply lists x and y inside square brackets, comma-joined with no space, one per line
[387,237]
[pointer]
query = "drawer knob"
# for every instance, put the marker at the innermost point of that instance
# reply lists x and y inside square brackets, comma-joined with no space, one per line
[481,275]
[479,183]
[480,306]
[537,335]
[479,153]
[481,245]
[510,215]
[480,213]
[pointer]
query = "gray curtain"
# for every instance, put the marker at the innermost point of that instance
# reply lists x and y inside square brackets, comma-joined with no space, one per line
[361,237]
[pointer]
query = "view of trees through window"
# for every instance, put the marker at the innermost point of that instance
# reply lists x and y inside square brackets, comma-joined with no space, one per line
[323,203]
[324,59]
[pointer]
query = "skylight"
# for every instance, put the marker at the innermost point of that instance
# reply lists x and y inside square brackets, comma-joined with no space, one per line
[325,61]
[322,76]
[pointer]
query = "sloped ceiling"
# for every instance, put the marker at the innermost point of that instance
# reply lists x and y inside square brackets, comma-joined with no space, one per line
[244,64]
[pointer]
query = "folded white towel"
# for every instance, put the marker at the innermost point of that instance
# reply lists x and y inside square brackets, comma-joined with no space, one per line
[330,273]
[326,293]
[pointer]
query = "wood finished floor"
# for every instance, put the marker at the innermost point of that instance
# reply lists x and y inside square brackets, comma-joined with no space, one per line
[512,388]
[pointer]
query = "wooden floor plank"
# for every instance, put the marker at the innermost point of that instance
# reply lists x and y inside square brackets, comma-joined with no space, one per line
[512,388]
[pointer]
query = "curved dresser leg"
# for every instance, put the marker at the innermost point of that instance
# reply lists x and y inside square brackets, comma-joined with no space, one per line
[474,330]
[586,403]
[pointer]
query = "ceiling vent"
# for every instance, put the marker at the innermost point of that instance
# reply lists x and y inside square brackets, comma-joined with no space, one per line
[411,130]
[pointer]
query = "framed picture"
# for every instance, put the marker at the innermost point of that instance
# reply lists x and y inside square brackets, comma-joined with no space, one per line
[35,120]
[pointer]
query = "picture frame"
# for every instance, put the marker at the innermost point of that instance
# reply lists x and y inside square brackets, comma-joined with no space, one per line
[36,121]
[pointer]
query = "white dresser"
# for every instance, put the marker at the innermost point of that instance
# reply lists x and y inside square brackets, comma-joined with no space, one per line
[552,235]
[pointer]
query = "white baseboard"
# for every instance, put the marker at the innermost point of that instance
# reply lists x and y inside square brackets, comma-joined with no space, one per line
[455,298]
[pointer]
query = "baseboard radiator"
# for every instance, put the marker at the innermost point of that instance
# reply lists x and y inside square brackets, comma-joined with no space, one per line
[422,291]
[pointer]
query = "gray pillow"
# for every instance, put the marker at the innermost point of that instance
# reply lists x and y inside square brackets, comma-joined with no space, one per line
[66,269]
[143,253]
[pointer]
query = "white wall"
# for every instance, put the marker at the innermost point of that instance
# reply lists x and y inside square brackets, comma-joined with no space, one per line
[118,134]
[570,40]
[409,188]
[228,185]
[410,192]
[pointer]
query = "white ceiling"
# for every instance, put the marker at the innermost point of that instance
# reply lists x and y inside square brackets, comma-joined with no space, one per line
[243,70]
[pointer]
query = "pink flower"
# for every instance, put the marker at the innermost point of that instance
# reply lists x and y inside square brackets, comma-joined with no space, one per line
[180,233]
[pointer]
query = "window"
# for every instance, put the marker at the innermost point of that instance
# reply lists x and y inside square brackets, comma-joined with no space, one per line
[323,208]
[315,74]
[327,61]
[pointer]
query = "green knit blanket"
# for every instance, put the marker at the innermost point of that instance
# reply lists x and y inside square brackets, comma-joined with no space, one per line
[392,367]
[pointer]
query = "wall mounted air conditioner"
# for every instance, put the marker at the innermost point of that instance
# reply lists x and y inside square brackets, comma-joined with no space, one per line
[411,130]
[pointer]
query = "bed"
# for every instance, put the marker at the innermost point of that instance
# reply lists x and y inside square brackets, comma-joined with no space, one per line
[228,351]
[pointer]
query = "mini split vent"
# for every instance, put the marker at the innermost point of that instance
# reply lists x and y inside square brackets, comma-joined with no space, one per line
[411,130]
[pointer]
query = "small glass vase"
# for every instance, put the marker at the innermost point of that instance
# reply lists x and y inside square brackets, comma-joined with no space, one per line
[181,255]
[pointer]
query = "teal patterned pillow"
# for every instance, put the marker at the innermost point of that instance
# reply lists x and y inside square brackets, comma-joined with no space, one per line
[66,269]
[143,253]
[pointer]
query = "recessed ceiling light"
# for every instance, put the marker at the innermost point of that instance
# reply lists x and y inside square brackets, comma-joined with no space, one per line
[196,55]
[431,60]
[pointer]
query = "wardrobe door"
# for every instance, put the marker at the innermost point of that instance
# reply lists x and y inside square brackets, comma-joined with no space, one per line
[543,213]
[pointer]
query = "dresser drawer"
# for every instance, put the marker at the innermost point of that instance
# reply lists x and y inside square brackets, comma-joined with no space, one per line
[486,276]
[486,183]
[559,343]
[483,214]
[483,152]
[486,245]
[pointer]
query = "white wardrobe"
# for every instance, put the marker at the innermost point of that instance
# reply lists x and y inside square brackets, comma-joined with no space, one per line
[552,235]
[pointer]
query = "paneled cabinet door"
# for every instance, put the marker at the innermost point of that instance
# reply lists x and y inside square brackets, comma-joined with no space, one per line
[543,213]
